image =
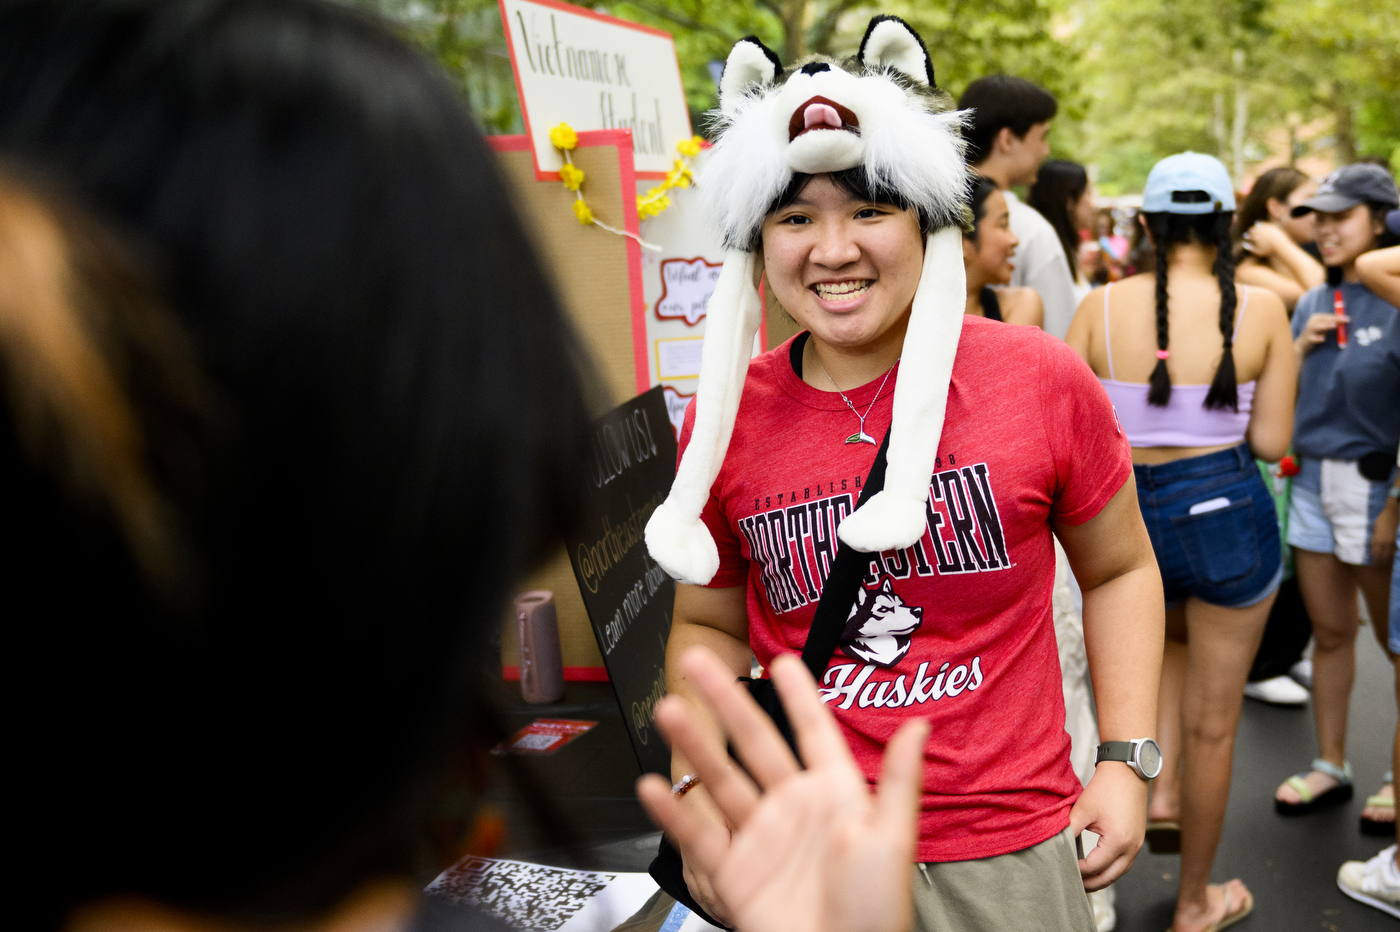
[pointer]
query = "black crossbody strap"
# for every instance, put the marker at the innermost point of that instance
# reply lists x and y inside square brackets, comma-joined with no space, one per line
[845,577]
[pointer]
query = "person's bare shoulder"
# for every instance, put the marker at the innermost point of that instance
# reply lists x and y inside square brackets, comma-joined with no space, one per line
[1022,306]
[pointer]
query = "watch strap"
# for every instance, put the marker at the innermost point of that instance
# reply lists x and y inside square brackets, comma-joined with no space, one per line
[1115,750]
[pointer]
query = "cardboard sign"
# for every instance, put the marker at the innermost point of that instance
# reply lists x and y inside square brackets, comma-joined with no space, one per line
[595,72]
[631,463]
[598,278]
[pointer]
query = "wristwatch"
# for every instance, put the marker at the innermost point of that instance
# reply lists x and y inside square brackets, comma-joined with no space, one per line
[1141,754]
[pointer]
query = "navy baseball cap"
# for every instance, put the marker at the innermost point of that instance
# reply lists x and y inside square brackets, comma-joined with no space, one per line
[1188,183]
[1349,186]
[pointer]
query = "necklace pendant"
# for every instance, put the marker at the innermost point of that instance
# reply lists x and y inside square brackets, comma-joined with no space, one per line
[861,437]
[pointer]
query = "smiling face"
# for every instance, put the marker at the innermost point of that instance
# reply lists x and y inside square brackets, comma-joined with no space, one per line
[844,268]
[988,256]
[1343,236]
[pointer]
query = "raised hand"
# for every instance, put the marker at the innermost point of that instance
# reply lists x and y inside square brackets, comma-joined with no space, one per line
[809,849]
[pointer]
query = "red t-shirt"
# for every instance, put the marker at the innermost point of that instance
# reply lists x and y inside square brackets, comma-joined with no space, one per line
[957,628]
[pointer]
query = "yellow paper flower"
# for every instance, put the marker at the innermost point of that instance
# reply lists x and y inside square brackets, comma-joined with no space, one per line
[581,211]
[563,137]
[571,175]
[690,147]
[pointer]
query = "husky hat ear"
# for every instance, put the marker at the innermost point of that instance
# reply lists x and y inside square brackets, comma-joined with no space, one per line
[750,65]
[890,43]
[881,112]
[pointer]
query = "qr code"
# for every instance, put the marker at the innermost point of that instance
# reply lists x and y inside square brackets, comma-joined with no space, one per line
[536,742]
[531,897]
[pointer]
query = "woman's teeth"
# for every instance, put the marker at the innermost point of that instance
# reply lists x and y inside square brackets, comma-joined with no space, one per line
[841,291]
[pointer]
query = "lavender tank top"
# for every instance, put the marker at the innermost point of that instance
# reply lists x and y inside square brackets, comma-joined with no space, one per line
[1184,422]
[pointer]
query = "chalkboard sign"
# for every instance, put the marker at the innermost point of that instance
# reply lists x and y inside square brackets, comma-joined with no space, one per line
[631,462]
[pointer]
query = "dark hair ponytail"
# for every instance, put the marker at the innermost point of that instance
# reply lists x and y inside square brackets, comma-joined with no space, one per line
[1213,229]
[1160,226]
[1223,392]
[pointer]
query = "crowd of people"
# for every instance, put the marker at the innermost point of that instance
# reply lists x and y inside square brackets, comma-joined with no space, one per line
[259,540]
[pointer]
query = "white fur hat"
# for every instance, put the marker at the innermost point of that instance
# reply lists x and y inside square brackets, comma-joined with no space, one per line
[897,124]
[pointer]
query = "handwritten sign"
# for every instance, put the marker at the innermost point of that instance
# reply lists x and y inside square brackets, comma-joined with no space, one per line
[592,71]
[676,403]
[631,462]
[686,286]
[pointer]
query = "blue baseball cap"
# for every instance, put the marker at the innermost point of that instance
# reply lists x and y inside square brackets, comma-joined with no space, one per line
[1188,183]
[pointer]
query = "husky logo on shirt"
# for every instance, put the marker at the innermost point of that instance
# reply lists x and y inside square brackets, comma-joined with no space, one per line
[880,627]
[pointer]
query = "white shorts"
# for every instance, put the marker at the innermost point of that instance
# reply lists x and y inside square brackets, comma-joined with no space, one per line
[1339,518]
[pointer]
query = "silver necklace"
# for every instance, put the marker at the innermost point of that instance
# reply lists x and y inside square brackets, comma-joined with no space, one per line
[859,436]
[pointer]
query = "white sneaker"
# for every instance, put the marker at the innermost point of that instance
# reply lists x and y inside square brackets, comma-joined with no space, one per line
[1279,690]
[1301,672]
[1105,916]
[1375,882]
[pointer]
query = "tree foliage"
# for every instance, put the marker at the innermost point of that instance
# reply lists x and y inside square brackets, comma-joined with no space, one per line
[1162,76]
[1136,79]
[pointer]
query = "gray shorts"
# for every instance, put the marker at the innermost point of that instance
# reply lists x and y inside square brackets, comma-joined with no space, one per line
[1036,888]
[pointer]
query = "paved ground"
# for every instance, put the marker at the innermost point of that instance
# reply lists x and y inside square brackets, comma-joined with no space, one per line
[1289,864]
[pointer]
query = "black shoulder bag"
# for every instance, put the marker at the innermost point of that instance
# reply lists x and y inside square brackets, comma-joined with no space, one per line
[828,622]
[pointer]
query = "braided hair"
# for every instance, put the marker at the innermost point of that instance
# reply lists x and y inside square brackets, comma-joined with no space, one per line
[1212,229]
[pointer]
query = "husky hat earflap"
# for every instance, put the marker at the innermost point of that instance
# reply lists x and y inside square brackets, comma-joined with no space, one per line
[881,111]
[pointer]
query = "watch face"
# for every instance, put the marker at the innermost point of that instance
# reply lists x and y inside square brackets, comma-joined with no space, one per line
[1149,758]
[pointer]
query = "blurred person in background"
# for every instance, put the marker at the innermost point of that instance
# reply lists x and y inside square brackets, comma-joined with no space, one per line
[987,256]
[1063,196]
[1376,882]
[1270,243]
[1347,339]
[1007,136]
[275,450]
[1219,392]
[1271,251]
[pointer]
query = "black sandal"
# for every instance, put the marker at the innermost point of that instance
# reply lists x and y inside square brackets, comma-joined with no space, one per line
[1335,796]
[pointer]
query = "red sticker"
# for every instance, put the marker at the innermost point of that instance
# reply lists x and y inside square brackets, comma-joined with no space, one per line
[543,736]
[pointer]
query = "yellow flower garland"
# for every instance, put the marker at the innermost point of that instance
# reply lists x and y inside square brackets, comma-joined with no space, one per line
[565,139]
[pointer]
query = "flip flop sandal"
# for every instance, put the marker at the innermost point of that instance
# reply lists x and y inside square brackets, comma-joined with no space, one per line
[1383,828]
[1230,918]
[1163,837]
[1335,796]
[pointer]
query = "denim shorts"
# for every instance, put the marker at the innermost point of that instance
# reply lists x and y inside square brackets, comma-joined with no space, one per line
[1213,528]
[1334,510]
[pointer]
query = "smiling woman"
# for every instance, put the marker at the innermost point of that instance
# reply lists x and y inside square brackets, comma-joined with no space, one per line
[857,239]
[987,256]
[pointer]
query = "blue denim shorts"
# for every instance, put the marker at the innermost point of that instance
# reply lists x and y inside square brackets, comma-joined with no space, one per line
[1213,527]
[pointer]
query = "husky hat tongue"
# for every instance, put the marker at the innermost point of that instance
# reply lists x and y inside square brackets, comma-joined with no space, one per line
[892,121]
[820,115]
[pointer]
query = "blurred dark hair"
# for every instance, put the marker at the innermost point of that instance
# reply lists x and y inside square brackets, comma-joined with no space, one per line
[1380,213]
[997,101]
[1211,229]
[1058,183]
[1275,184]
[982,188]
[352,411]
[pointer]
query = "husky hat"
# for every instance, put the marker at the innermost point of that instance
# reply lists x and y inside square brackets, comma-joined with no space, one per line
[881,111]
